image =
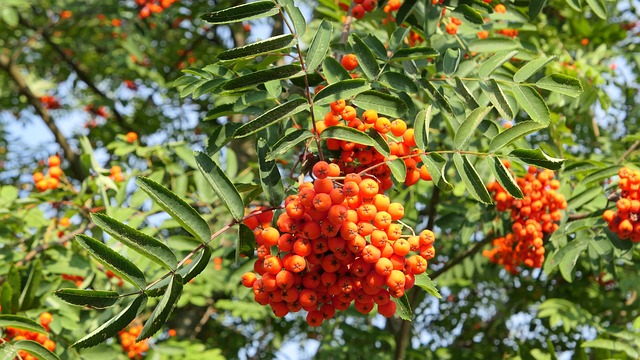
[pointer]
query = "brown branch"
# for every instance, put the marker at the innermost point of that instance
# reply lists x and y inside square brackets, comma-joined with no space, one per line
[23,88]
[629,151]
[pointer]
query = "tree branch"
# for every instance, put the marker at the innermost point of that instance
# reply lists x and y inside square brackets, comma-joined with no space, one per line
[14,72]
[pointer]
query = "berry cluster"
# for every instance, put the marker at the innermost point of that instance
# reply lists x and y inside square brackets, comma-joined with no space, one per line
[134,350]
[50,102]
[362,7]
[392,6]
[52,179]
[152,6]
[13,334]
[99,111]
[116,174]
[625,220]
[77,279]
[533,216]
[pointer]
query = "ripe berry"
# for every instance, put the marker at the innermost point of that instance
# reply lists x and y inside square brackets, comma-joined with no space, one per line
[349,61]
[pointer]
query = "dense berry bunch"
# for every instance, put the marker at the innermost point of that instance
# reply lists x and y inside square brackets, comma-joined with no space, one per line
[134,350]
[13,334]
[625,220]
[50,102]
[52,179]
[147,7]
[533,216]
[340,239]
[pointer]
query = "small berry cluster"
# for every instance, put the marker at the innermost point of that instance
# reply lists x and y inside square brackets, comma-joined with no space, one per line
[113,277]
[625,221]
[452,27]
[116,174]
[52,179]
[362,7]
[77,279]
[356,158]
[13,334]
[131,137]
[392,6]
[99,111]
[134,350]
[533,216]
[50,102]
[152,6]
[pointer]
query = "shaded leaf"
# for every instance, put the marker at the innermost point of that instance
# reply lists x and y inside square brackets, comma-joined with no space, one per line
[286,143]
[164,308]
[505,178]
[334,71]
[530,68]
[463,92]
[343,89]
[319,46]
[246,242]
[117,263]
[535,7]
[382,103]
[398,81]
[415,53]
[90,298]
[495,62]
[403,308]
[261,77]
[28,295]
[435,164]
[270,177]
[529,99]
[221,136]
[113,325]
[497,98]
[259,47]
[244,12]
[562,84]
[471,179]
[271,117]
[538,158]
[440,100]
[572,252]
[398,170]
[470,14]
[21,322]
[601,174]
[512,134]
[379,142]
[468,126]
[177,208]
[421,127]
[347,134]
[451,61]
[366,60]
[142,243]
[35,349]
[221,185]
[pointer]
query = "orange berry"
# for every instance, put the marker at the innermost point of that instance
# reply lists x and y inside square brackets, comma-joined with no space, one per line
[131,137]
[54,161]
[501,9]
[37,176]
[55,172]
[349,61]
[451,28]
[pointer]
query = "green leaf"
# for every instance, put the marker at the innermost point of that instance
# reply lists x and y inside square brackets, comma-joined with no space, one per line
[451,61]
[599,8]
[575,4]
[244,12]
[36,349]
[497,98]
[570,258]
[138,241]
[28,295]
[495,62]
[270,177]
[538,158]
[15,282]
[271,117]
[465,94]
[382,103]
[399,34]
[261,77]
[298,20]
[562,84]
[398,81]
[21,322]
[117,263]
[334,71]
[114,325]
[403,308]
[288,142]
[165,307]
[221,136]
[344,89]
[504,177]
[601,174]
[435,164]
[366,60]
[470,14]
[379,142]
[468,126]
[530,68]
[398,170]
[421,127]
[319,46]
[471,179]
[440,100]
[197,266]
[89,298]
[246,242]
[512,134]
[415,53]
[6,296]
[532,103]
[432,19]
[347,134]
[177,208]
[612,345]
[424,281]
[221,185]
[404,11]
[585,197]
[493,44]
[535,7]
[259,47]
